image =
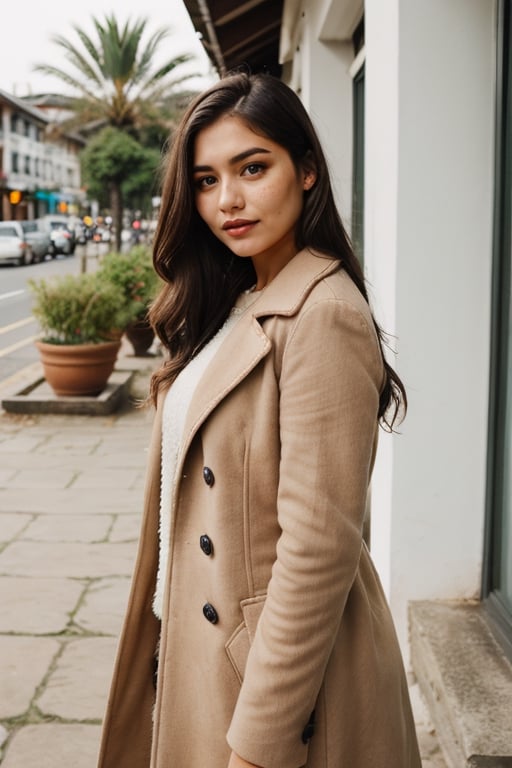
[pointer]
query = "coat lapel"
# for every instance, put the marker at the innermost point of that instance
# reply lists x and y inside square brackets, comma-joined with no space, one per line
[247,343]
[239,353]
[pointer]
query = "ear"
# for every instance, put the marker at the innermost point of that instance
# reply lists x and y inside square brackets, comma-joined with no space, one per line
[309,179]
[309,173]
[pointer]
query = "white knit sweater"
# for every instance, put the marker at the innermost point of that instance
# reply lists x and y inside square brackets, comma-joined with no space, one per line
[176,405]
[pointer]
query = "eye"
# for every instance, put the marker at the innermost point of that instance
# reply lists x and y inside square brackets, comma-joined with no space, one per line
[205,181]
[253,169]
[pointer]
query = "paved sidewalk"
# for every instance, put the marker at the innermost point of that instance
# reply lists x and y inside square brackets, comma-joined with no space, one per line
[70,500]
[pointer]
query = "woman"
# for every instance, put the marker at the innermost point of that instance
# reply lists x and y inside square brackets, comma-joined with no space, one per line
[276,646]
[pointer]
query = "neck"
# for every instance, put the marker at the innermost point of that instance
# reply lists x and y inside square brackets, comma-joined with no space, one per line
[267,266]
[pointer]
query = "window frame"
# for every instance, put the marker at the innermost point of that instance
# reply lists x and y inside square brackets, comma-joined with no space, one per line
[500,617]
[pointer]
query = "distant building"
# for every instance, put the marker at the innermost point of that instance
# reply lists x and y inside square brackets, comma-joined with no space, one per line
[413,102]
[39,166]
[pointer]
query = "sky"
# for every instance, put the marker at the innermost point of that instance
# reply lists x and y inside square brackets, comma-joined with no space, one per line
[28,28]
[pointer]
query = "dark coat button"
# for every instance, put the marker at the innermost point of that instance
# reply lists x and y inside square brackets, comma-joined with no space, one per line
[208,476]
[206,544]
[210,613]
[309,730]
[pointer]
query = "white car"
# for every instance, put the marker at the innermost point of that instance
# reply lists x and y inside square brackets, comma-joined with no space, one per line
[14,247]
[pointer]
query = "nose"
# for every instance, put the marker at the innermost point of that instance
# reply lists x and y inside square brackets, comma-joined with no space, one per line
[230,197]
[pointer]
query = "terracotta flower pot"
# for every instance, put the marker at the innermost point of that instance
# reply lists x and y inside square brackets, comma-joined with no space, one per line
[140,334]
[78,369]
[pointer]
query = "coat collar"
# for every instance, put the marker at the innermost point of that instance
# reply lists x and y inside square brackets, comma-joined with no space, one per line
[247,343]
[290,287]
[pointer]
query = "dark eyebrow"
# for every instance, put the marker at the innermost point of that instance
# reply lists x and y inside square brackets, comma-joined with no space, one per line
[236,159]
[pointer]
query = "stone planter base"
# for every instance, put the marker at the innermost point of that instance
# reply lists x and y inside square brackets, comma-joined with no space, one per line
[39,398]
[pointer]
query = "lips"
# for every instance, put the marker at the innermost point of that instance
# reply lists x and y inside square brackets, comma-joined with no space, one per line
[238,227]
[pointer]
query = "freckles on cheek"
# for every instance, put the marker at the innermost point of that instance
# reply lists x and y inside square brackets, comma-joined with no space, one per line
[270,197]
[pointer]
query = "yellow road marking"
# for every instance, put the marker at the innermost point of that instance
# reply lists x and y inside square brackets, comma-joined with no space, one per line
[17,324]
[18,345]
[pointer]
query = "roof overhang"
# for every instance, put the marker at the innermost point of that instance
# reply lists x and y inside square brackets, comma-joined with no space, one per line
[239,34]
[19,105]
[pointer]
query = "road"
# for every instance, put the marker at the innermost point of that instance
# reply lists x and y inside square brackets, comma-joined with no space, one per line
[17,326]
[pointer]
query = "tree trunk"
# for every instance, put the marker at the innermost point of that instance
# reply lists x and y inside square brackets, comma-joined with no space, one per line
[116,205]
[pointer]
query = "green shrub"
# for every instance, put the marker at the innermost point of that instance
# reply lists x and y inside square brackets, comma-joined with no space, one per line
[79,309]
[133,273]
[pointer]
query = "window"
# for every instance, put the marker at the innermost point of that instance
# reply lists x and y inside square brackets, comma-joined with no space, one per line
[358,166]
[357,72]
[27,165]
[497,587]
[15,162]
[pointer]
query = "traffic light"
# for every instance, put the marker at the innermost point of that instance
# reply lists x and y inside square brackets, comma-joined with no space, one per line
[15,196]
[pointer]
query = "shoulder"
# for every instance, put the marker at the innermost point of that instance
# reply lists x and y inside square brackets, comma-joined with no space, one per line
[337,290]
[332,327]
[335,305]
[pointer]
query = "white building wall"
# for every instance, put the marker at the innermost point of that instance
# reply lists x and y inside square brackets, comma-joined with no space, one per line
[428,248]
[429,231]
[321,76]
[380,211]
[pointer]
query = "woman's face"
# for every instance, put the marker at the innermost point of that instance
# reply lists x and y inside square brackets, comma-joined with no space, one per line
[249,193]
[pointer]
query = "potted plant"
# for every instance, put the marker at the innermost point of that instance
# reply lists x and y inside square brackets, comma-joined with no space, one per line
[82,319]
[133,273]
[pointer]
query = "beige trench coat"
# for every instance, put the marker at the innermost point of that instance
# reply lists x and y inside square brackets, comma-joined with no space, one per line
[276,637]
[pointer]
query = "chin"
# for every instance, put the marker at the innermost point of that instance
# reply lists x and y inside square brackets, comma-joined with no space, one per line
[239,250]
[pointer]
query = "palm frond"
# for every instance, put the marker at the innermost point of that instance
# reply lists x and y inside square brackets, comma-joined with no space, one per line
[114,75]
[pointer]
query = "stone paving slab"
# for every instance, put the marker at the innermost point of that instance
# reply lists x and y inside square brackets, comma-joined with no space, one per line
[54,746]
[125,528]
[77,688]
[24,664]
[71,442]
[37,606]
[111,478]
[12,524]
[74,560]
[6,475]
[20,444]
[122,457]
[103,607]
[95,501]
[72,527]
[66,460]
[43,478]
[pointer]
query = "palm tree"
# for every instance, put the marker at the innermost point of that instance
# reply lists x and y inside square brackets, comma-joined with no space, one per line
[114,82]
[112,77]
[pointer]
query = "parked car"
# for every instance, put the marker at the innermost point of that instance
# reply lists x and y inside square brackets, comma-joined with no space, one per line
[38,237]
[62,236]
[14,248]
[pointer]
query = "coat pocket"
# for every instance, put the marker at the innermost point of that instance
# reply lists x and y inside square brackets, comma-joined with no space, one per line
[239,644]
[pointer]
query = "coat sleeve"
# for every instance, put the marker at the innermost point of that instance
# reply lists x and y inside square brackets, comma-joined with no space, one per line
[330,380]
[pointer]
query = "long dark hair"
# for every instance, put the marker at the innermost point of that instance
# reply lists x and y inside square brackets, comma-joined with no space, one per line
[202,276]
